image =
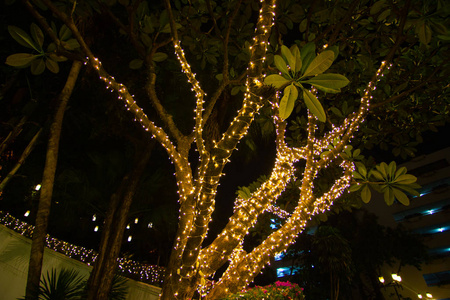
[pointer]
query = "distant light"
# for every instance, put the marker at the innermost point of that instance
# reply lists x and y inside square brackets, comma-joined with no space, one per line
[27,213]
[150,225]
[94,217]
[279,256]
[37,187]
[96,228]
[136,220]
[442,229]
[381,279]
[129,238]
[396,277]
[419,296]
[431,211]
[429,295]
[128,226]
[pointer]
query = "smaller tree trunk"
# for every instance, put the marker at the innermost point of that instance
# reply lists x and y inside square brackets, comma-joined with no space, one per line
[21,160]
[100,280]
[48,178]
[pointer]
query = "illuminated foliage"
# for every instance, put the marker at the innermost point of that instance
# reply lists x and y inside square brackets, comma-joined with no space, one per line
[312,137]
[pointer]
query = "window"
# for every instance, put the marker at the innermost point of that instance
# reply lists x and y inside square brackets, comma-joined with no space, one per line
[440,278]
[434,166]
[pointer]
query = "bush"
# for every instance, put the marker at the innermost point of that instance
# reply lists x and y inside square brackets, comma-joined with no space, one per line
[277,291]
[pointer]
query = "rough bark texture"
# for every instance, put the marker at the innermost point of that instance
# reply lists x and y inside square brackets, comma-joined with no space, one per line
[100,280]
[48,177]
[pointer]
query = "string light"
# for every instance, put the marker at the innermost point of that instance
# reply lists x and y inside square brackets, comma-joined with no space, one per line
[150,274]
[197,198]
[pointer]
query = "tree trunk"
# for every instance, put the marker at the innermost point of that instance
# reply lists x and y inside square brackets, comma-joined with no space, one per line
[100,280]
[13,134]
[21,160]
[48,177]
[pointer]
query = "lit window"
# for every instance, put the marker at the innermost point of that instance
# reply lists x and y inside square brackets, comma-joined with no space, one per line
[279,256]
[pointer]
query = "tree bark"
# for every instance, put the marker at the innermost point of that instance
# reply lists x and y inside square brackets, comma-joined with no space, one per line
[21,160]
[13,134]
[48,178]
[100,280]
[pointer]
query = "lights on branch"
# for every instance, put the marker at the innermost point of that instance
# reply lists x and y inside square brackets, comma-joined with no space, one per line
[396,277]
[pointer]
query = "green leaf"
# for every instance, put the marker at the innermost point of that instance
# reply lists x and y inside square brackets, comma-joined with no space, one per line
[22,37]
[384,15]
[159,56]
[389,196]
[377,175]
[307,54]
[362,169]
[276,80]
[136,64]
[57,58]
[355,187]
[405,179]
[71,44]
[37,35]
[314,105]
[166,28]
[235,90]
[287,102]
[357,175]
[64,33]
[52,65]
[37,66]
[408,189]
[298,59]
[400,171]
[20,60]
[281,64]
[244,193]
[401,197]
[330,83]
[320,63]
[287,55]
[366,194]
[383,169]
[377,6]
[391,169]
[337,112]
[424,32]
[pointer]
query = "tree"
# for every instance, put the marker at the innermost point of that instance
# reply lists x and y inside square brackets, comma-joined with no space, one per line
[48,178]
[363,39]
[366,246]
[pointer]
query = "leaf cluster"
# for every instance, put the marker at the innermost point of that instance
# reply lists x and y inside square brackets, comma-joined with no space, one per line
[298,68]
[394,183]
[40,59]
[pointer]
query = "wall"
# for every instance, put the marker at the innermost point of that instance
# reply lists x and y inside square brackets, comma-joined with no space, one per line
[14,257]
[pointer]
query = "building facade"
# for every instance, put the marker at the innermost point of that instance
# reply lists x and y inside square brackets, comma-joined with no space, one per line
[429,216]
